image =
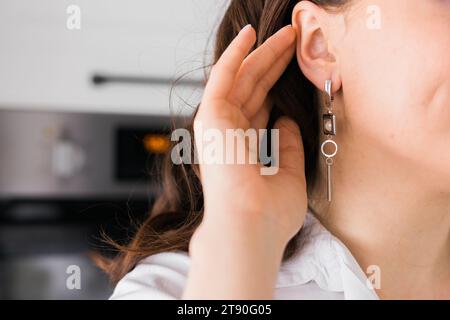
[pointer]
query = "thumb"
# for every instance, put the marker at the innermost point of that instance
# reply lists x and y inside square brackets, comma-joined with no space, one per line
[291,153]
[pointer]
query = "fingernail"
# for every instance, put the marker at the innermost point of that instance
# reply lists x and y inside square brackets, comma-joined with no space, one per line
[246,27]
[289,26]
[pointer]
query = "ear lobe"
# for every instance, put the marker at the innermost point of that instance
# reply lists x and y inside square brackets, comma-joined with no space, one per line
[316,61]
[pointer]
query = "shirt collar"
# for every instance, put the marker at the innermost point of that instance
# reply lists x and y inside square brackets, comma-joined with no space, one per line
[325,260]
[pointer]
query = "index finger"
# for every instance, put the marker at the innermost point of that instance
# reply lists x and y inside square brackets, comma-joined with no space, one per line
[225,70]
[258,64]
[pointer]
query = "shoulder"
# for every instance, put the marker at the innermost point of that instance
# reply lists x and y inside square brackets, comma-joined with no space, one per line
[160,276]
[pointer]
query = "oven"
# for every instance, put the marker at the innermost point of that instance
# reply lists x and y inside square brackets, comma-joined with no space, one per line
[66,179]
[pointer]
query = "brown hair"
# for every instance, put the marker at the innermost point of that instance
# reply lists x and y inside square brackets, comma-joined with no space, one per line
[179,208]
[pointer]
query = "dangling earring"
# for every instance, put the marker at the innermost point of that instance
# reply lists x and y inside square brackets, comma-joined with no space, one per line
[329,129]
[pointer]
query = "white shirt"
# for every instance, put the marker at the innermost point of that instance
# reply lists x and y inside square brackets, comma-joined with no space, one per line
[323,268]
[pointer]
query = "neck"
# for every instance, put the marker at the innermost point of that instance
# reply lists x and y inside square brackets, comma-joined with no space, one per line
[390,216]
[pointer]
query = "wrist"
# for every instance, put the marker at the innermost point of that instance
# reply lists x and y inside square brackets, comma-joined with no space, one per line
[223,239]
[228,263]
[231,271]
[240,233]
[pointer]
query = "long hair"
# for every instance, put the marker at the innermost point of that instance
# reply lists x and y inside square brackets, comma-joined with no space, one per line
[178,210]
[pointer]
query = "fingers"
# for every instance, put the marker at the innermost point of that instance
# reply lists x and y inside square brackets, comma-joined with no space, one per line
[260,119]
[262,88]
[291,156]
[258,67]
[224,72]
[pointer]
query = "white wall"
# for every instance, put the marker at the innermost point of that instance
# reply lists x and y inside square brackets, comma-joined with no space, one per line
[43,65]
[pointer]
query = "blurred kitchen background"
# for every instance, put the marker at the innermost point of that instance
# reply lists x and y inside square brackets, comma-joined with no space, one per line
[86,103]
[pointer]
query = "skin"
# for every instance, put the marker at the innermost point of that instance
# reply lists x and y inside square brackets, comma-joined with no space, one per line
[391,201]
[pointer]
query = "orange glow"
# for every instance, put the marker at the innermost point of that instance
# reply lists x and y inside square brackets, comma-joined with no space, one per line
[156,143]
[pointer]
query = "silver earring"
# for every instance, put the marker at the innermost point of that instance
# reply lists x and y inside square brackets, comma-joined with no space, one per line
[329,130]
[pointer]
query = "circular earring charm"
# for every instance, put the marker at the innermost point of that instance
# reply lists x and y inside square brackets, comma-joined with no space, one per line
[329,155]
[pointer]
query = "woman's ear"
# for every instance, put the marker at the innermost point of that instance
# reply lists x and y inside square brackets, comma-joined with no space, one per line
[315,55]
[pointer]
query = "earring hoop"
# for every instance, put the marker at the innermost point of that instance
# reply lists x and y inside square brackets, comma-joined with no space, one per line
[328,84]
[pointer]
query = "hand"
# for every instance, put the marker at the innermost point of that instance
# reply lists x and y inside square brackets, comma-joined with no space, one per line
[248,218]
